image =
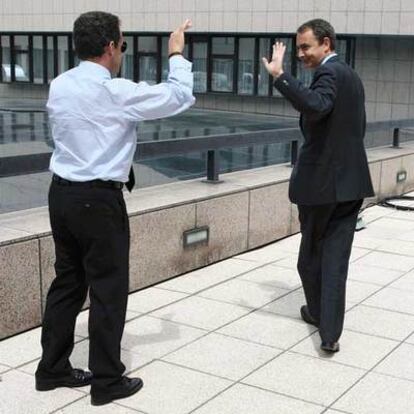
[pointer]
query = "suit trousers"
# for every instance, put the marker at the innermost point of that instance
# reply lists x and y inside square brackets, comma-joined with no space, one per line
[91,233]
[327,236]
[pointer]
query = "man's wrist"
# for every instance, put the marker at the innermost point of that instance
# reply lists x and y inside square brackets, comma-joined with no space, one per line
[175,54]
[277,74]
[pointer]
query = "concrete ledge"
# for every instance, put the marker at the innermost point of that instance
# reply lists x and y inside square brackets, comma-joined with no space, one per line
[249,209]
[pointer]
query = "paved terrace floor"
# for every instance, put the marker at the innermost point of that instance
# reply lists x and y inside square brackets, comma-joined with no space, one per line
[228,339]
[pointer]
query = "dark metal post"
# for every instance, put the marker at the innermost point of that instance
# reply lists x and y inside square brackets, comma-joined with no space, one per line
[293,152]
[212,167]
[396,138]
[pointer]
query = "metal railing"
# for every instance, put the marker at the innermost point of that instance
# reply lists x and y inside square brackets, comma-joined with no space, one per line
[32,163]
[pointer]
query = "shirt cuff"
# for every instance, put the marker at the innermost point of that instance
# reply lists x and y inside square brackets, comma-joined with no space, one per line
[179,62]
[280,79]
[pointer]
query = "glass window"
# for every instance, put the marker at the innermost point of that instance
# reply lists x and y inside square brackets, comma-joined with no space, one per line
[50,59]
[21,58]
[145,63]
[76,60]
[263,76]
[63,54]
[200,66]
[287,60]
[222,75]
[148,69]
[223,45]
[147,44]
[164,59]
[185,51]
[5,58]
[37,59]
[127,68]
[340,49]
[304,75]
[245,84]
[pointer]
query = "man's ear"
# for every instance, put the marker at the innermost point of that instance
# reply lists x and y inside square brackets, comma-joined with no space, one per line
[327,43]
[110,48]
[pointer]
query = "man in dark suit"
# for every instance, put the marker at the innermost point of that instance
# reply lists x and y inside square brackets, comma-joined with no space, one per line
[331,176]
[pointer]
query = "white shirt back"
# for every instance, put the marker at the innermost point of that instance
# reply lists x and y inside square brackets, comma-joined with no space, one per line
[93,118]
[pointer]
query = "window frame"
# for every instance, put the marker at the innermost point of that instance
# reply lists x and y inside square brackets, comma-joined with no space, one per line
[192,38]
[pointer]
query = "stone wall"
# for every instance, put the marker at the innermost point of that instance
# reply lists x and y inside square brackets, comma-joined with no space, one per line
[249,209]
[394,17]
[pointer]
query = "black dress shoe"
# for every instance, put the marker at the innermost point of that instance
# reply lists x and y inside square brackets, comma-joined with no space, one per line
[76,378]
[307,317]
[124,388]
[330,347]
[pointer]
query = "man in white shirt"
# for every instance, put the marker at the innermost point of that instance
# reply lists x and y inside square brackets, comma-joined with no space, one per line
[93,117]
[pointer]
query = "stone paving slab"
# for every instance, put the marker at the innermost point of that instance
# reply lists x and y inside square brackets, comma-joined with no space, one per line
[244,293]
[380,322]
[223,356]
[268,329]
[229,339]
[173,389]
[399,363]
[237,398]
[18,395]
[377,393]
[358,350]
[208,276]
[202,313]
[83,406]
[274,275]
[307,378]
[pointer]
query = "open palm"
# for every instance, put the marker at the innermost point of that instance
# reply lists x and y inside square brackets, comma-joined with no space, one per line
[275,66]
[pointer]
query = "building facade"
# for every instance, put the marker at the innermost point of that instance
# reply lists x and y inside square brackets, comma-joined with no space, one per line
[226,44]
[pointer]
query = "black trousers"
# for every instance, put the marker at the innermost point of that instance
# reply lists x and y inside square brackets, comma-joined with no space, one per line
[91,233]
[327,236]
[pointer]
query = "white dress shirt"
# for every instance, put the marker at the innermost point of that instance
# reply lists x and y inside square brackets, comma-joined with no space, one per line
[93,118]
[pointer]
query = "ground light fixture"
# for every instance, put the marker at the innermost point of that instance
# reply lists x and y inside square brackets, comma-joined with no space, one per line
[196,236]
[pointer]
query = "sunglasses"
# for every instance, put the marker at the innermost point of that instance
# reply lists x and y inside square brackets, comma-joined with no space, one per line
[124,47]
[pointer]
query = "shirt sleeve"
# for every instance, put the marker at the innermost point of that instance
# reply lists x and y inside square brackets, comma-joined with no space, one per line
[141,101]
[315,102]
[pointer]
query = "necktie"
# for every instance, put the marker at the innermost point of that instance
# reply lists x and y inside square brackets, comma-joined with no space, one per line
[131,180]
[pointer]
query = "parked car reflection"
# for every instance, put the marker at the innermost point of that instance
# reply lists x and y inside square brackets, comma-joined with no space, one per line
[18,70]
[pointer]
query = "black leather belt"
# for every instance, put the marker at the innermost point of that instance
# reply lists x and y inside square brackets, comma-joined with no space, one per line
[93,183]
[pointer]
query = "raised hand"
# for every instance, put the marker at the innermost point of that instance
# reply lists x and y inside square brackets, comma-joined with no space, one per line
[176,42]
[275,66]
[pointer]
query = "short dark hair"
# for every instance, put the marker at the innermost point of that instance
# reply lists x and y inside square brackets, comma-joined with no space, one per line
[321,29]
[94,30]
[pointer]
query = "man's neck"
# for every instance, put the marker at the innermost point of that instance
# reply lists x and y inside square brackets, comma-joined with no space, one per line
[328,56]
[100,60]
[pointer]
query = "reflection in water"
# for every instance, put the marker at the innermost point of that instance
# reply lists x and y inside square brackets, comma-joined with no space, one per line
[33,126]
[25,135]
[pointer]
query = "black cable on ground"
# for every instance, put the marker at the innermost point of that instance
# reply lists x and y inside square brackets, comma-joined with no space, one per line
[388,202]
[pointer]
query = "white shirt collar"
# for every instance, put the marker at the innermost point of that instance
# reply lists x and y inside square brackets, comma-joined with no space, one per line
[95,68]
[328,57]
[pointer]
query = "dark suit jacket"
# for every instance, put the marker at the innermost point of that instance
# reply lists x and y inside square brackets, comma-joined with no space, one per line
[332,164]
